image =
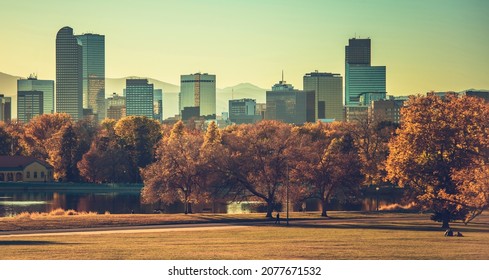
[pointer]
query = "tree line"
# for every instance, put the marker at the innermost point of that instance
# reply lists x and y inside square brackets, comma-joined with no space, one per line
[438,155]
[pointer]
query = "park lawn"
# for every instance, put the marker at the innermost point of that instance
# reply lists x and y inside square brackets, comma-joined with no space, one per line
[375,236]
[40,222]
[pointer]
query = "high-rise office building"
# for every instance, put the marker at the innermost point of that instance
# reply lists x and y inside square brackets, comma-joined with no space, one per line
[243,111]
[47,88]
[198,90]
[29,105]
[158,104]
[358,51]
[329,94]
[139,98]
[360,76]
[363,78]
[116,106]
[5,108]
[93,73]
[69,74]
[286,104]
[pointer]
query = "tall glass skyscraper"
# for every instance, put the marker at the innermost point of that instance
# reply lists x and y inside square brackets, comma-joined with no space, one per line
[94,73]
[29,105]
[363,78]
[139,98]
[47,88]
[360,76]
[329,94]
[69,70]
[198,90]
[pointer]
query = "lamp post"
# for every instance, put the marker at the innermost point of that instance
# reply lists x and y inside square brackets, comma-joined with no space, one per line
[377,192]
[287,193]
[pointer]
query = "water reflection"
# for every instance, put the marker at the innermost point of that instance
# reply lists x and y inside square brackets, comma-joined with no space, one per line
[15,202]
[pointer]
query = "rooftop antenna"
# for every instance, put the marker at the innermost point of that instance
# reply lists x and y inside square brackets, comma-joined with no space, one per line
[282,76]
[232,93]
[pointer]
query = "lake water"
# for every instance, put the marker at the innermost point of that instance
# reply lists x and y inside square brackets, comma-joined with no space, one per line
[15,201]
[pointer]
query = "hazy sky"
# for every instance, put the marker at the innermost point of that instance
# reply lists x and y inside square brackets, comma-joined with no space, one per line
[425,44]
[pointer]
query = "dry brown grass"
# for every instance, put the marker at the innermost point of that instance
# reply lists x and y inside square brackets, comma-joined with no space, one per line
[346,236]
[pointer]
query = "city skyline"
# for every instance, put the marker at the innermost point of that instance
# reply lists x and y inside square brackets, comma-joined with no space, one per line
[438,45]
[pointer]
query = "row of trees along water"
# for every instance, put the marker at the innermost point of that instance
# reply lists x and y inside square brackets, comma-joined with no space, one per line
[439,155]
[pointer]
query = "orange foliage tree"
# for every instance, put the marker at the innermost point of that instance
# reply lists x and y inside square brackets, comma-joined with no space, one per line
[258,158]
[440,153]
[177,173]
[372,134]
[328,163]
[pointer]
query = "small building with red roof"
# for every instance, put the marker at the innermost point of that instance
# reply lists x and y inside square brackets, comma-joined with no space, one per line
[24,169]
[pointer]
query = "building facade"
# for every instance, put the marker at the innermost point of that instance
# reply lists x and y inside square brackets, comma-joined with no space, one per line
[329,94]
[5,108]
[286,104]
[139,98]
[158,104]
[69,74]
[363,78]
[116,107]
[29,105]
[198,90]
[47,88]
[93,73]
[24,169]
[360,75]
[243,111]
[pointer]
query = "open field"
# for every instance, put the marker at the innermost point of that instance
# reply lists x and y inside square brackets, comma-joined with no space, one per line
[347,236]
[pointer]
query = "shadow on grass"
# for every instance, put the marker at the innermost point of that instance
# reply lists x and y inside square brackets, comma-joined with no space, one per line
[401,227]
[28,242]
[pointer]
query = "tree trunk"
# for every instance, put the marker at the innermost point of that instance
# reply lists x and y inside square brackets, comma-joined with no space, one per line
[445,219]
[269,209]
[324,204]
[189,208]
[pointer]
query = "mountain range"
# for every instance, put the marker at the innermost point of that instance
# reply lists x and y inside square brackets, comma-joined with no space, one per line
[8,86]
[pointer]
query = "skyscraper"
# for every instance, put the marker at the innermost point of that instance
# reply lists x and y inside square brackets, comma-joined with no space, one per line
[93,73]
[116,106]
[5,108]
[286,104]
[158,104]
[198,90]
[69,70]
[329,94]
[360,76]
[139,98]
[363,78]
[358,51]
[47,88]
[243,111]
[29,105]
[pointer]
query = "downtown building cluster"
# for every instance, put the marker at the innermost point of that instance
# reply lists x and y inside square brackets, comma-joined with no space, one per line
[79,90]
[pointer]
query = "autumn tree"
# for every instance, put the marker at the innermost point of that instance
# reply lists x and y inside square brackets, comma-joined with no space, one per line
[16,134]
[106,161]
[257,160]
[440,153]
[62,154]
[139,136]
[39,132]
[177,174]
[328,163]
[5,140]
[372,134]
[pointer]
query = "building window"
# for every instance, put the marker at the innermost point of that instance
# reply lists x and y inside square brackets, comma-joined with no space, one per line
[35,174]
[42,174]
[28,174]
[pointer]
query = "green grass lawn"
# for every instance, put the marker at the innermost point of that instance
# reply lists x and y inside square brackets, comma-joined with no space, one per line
[346,236]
